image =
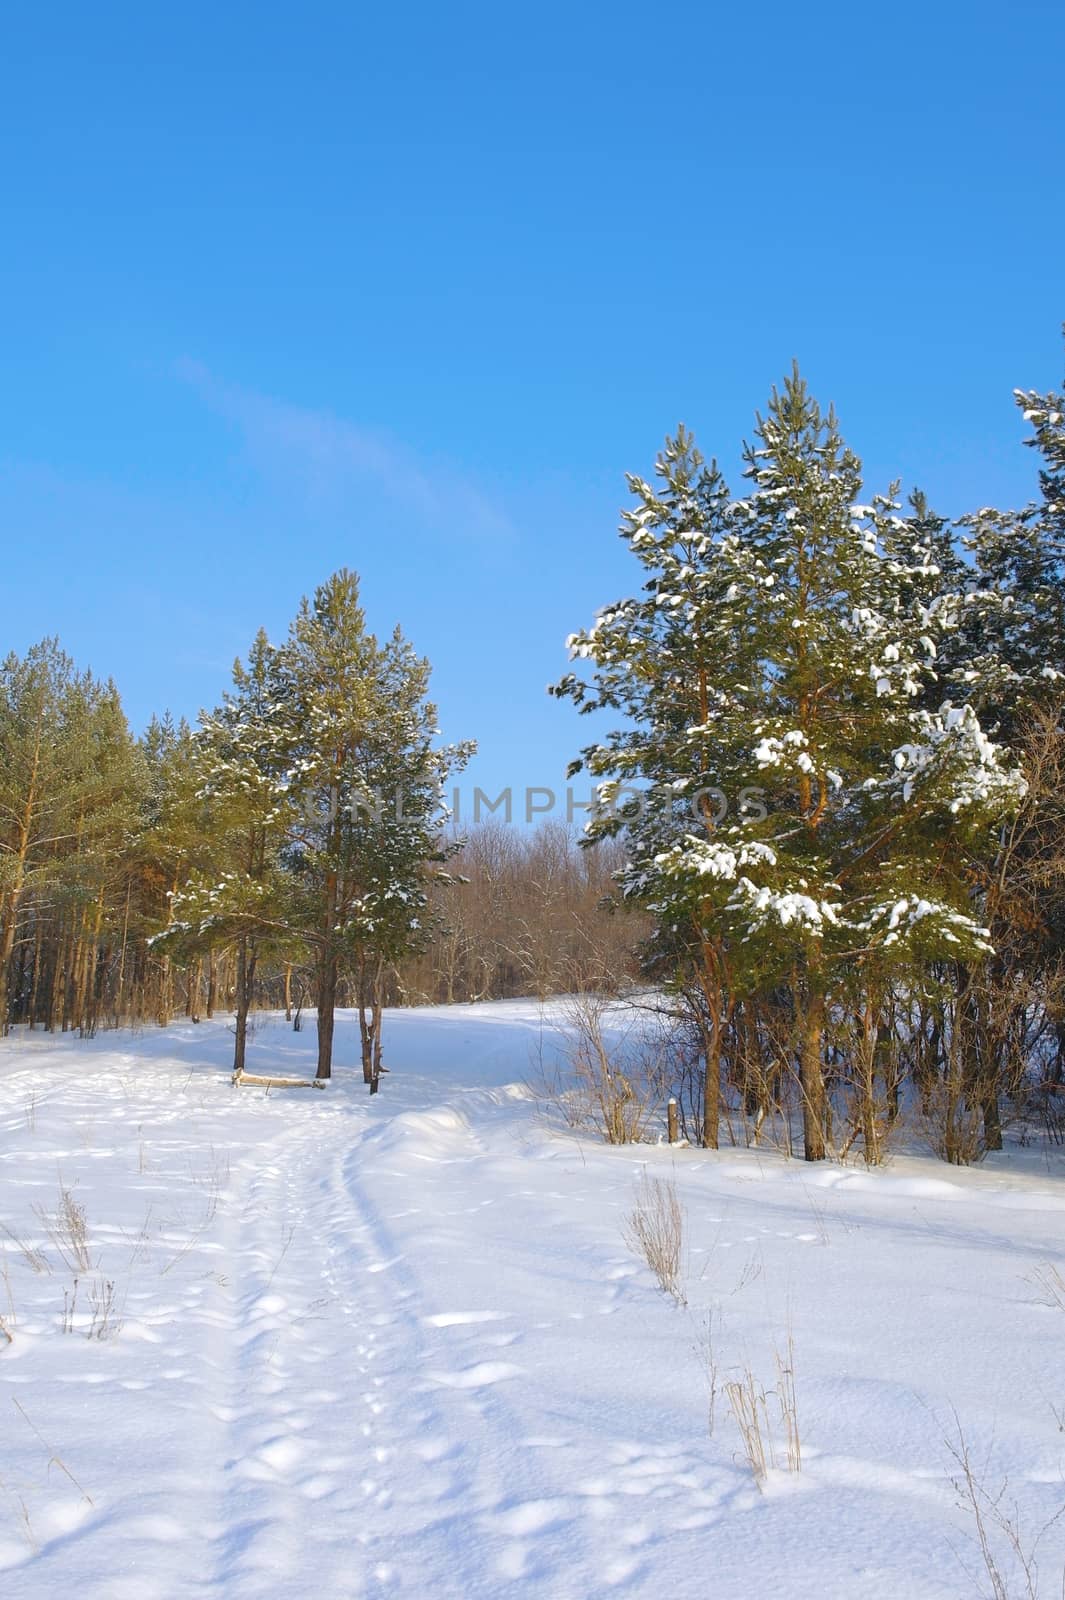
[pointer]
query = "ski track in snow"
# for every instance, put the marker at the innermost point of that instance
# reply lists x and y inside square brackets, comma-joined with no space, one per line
[399,1347]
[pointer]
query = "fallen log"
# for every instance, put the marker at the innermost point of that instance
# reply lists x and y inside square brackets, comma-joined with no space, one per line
[278,1083]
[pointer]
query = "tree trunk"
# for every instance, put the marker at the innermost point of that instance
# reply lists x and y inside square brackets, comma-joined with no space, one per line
[58,981]
[245,980]
[370,996]
[34,991]
[812,1076]
[868,1035]
[711,1026]
[120,982]
[327,999]
[17,867]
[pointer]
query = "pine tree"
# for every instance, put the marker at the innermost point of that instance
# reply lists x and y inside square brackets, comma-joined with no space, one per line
[1009,664]
[367,778]
[784,643]
[172,844]
[1014,608]
[240,769]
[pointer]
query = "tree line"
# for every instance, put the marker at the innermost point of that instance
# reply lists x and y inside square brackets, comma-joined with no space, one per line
[252,841]
[883,930]
[291,850]
[830,832]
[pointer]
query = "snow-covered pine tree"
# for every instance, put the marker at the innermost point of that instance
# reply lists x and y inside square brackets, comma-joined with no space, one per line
[783,643]
[368,778]
[1008,661]
[237,896]
[171,843]
[1014,610]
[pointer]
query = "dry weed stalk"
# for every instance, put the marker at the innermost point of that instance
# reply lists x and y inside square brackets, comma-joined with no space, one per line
[54,1458]
[1007,1555]
[655,1230]
[706,1351]
[68,1229]
[105,1321]
[1051,1284]
[768,1420]
[34,1258]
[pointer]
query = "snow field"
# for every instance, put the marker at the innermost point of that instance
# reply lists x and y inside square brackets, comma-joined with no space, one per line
[400,1347]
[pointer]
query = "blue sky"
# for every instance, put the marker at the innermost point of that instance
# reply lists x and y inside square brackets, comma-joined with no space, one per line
[289,288]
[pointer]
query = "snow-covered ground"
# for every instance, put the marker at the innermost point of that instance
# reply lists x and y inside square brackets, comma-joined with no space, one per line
[400,1347]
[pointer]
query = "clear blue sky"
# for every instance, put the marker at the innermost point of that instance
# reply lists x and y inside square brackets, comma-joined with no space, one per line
[407,289]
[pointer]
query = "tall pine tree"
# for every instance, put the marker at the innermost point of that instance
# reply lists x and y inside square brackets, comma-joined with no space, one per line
[784,643]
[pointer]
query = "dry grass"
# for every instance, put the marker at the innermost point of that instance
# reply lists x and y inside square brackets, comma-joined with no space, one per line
[196,1233]
[655,1231]
[706,1354]
[68,1229]
[70,1308]
[1051,1285]
[33,1257]
[768,1420]
[7,1317]
[54,1458]
[22,1515]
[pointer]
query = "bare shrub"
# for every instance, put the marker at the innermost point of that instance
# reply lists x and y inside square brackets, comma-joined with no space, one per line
[1008,1555]
[768,1420]
[953,1121]
[105,1321]
[68,1229]
[617,1076]
[655,1230]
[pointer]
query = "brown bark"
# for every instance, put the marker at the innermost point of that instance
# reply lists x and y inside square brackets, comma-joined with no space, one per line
[812,1077]
[327,998]
[212,985]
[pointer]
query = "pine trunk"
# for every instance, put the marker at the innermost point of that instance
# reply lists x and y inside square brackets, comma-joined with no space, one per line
[812,1076]
[327,999]
[245,980]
